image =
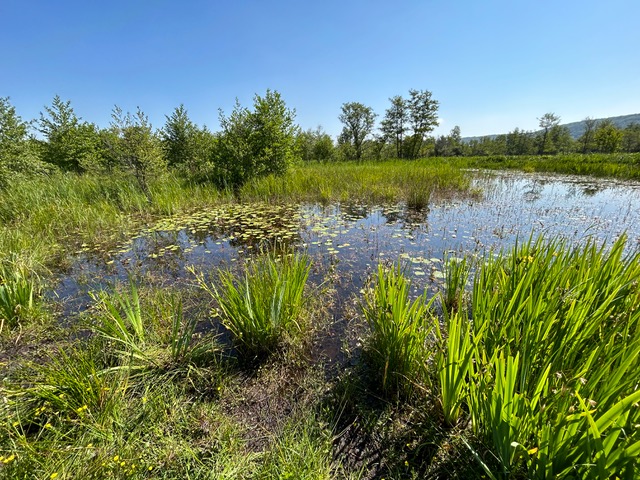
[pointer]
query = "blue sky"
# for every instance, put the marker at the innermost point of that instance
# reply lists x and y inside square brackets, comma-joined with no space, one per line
[492,64]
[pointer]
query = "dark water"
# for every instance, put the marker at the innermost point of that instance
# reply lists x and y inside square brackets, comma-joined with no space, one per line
[347,241]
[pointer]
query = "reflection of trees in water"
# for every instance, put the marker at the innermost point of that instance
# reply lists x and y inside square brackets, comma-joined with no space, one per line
[409,217]
[354,211]
[533,190]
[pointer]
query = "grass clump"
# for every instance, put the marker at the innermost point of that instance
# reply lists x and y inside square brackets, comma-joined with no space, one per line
[548,366]
[19,292]
[143,343]
[265,306]
[400,329]
[456,277]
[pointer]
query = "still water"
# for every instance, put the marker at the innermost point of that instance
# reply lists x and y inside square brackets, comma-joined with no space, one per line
[347,241]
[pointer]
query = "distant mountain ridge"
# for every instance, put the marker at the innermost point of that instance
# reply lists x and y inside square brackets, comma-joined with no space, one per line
[576,129]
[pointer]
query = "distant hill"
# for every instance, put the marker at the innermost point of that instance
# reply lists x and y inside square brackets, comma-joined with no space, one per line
[576,129]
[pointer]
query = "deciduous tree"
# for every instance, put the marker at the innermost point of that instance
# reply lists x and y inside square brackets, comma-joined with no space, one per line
[394,125]
[256,143]
[546,122]
[358,121]
[133,146]
[69,144]
[423,118]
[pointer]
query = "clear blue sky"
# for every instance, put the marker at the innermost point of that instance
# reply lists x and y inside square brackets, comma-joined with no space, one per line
[492,64]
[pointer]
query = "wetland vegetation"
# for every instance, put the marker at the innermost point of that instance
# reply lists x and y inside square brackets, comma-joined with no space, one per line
[212,309]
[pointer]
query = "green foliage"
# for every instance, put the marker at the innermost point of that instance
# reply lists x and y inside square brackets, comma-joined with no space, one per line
[449,145]
[358,121]
[607,137]
[17,152]
[624,166]
[631,138]
[188,147]
[547,122]
[19,292]
[550,360]
[399,331]
[315,145]
[70,145]
[256,143]
[132,146]
[265,306]
[456,277]
[302,451]
[423,118]
[394,126]
[386,181]
[143,344]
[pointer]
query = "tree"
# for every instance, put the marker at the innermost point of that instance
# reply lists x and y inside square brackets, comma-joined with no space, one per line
[631,138]
[132,146]
[560,140]
[70,144]
[358,121]
[586,140]
[607,137]
[256,143]
[315,145]
[17,152]
[187,146]
[394,124]
[423,118]
[178,137]
[546,122]
[519,142]
[449,145]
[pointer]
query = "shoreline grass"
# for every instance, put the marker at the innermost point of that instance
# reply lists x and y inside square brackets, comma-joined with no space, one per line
[621,166]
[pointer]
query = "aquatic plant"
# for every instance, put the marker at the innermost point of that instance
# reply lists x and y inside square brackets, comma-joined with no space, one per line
[396,346]
[553,355]
[456,277]
[265,305]
[19,290]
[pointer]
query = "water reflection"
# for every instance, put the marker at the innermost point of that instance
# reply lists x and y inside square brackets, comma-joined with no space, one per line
[348,240]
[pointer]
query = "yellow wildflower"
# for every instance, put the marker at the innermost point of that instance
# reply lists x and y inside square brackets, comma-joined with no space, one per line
[53,475]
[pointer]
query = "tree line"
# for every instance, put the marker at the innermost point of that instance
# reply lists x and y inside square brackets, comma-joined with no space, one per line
[252,142]
[264,140]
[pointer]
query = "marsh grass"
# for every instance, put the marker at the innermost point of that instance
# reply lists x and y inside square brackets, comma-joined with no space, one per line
[456,277]
[302,450]
[413,182]
[624,166]
[20,291]
[145,344]
[264,307]
[400,329]
[548,366]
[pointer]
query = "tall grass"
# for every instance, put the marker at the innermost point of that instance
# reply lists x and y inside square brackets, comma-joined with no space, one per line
[144,345]
[554,355]
[614,165]
[42,218]
[265,306]
[19,291]
[414,182]
[456,276]
[400,328]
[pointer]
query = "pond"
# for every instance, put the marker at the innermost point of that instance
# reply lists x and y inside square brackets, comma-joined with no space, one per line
[347,241]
